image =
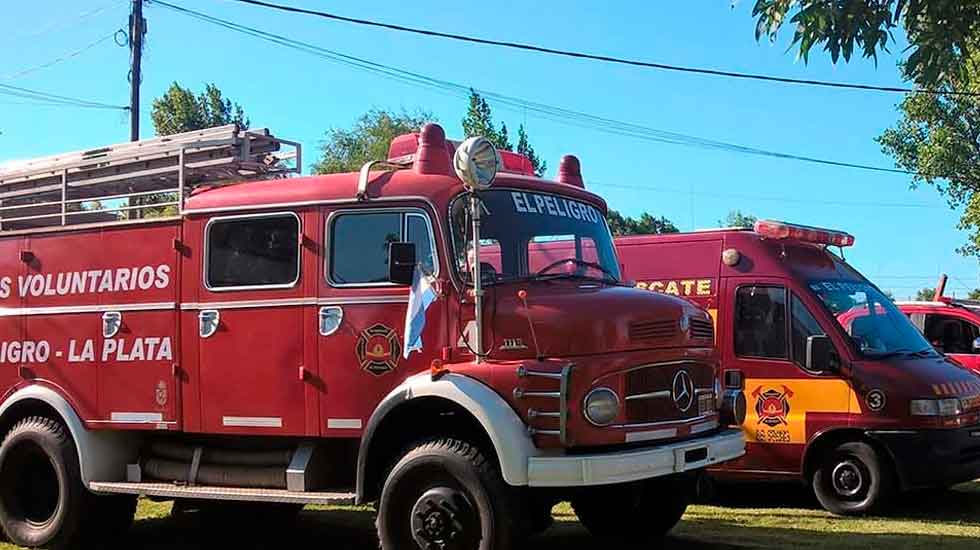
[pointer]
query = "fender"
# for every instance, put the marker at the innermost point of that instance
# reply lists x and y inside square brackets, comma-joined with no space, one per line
[507,431]
[102,455]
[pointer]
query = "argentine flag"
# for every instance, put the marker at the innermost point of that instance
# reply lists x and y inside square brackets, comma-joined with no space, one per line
[421,295]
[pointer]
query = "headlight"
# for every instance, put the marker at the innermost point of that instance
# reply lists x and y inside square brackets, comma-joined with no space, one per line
[936,407]
[601,406]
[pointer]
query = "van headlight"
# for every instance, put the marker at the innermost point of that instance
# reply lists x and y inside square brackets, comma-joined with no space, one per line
[601,406]
[935,407]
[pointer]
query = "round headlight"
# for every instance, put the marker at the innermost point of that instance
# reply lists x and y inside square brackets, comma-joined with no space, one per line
[601,406]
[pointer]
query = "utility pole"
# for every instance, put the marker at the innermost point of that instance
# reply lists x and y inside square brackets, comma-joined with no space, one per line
[137,26]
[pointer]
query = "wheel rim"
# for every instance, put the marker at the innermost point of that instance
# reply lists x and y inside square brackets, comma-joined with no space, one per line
[848,479]
[444,519]
[30,484]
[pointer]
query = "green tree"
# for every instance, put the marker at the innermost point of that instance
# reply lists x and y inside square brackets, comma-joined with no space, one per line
[925,295]
[479,122]
[646,224]
[736,218]
[179,110]
[346,150]
[939,32]
[973,294]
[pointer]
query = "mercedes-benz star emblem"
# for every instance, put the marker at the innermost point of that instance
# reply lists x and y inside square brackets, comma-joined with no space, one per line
[683,390]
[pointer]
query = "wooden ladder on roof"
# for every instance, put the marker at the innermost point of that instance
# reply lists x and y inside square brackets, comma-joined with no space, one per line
[128,181]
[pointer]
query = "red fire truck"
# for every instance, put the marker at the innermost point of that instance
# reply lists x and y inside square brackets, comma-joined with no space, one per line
[951,325]
[844,393]
[181,320]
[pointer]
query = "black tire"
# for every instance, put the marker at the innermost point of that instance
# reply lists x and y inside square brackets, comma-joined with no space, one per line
[635,513]
[445,495]
[43,503]
[852,479]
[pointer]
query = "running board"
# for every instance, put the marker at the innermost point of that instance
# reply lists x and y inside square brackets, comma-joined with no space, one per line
[171,491]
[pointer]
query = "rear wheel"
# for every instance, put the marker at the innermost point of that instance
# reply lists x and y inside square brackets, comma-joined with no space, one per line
[852,480]
[635,512]
[42,499]
[445,495]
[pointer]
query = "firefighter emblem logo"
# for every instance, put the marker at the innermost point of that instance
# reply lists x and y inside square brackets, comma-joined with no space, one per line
[378,349]
[161,394]
[772,406]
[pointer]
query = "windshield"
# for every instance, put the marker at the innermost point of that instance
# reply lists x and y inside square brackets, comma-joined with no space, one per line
[533,235]
[874,324]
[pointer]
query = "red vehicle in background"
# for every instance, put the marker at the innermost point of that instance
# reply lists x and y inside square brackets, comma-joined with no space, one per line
[951,325]
[858,406]
[241,335]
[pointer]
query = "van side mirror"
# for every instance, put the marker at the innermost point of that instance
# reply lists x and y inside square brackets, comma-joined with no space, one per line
[401,263]
[820,354]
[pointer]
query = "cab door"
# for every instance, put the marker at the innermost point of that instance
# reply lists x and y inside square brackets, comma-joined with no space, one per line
[766,330]
[361,334]
[954,334]
[252,315]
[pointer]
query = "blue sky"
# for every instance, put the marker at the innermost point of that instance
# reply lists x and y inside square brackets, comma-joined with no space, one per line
[299,96]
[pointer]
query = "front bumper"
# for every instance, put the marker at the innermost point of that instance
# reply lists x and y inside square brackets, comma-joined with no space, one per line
[634,465]
[933,457]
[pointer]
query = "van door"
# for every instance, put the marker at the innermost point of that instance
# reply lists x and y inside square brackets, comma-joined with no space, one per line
[250,325]
[954,335]
[362,314]
[767,329]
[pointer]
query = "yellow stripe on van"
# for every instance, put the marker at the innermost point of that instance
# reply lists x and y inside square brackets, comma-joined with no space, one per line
[777,407]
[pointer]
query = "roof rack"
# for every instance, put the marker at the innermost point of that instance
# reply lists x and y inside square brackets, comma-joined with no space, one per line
[137,180]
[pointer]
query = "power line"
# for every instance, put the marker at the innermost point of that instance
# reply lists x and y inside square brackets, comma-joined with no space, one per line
[603,58]
[548,112]
[59,59]
[35,95]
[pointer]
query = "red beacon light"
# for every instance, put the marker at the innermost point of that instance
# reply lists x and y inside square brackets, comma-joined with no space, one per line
[782,230]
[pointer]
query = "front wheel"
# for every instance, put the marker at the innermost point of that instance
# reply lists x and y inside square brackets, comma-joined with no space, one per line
[635,512]
[852,480]
[445,495]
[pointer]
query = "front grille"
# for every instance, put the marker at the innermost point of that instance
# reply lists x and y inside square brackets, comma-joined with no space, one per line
[701,328]
[648,330]
[649,395]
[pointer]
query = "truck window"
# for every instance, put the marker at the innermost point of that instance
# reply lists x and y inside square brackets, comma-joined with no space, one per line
[359,243]
[760,322]
[802,326]
[252,251]
[950,334]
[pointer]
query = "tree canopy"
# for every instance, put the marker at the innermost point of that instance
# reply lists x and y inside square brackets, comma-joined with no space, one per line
[346,150]
[479,122]
[646,224]
[939,32]
[736,218]
[925,294]
[179,110]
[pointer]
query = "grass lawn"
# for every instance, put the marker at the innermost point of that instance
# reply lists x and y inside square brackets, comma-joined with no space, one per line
[757,516]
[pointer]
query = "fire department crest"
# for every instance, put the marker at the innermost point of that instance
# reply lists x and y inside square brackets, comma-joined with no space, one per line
[378,349]
[161,394]
[772,406]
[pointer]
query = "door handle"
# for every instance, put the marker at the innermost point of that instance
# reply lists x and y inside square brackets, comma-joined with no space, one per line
[209,319]
[111,323]
[330,319]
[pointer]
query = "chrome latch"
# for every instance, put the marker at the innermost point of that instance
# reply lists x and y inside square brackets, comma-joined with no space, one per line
[209,319]
[330,319]
[111,323]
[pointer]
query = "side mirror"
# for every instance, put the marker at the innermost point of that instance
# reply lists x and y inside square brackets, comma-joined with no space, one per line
[976,346]
[820,354]
[401,263]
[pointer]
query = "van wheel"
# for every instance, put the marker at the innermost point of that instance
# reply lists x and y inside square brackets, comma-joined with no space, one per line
[852,480]
[445,495]
[42,500]
[635,512]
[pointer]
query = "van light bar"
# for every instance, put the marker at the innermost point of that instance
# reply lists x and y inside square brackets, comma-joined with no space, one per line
[783,230]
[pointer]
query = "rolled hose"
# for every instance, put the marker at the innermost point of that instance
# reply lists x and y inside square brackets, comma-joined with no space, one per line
[259,477]
[185,453]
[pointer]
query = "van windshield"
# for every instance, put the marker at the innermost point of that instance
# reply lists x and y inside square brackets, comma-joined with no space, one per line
[531,235]
[874,324]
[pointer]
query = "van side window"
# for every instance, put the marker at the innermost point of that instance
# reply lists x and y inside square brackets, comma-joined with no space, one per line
[252,251]
[802,326]
[949,334]
[359,243]
[760,322]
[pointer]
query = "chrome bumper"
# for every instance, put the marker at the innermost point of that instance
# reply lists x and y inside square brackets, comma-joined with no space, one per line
[635,465]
